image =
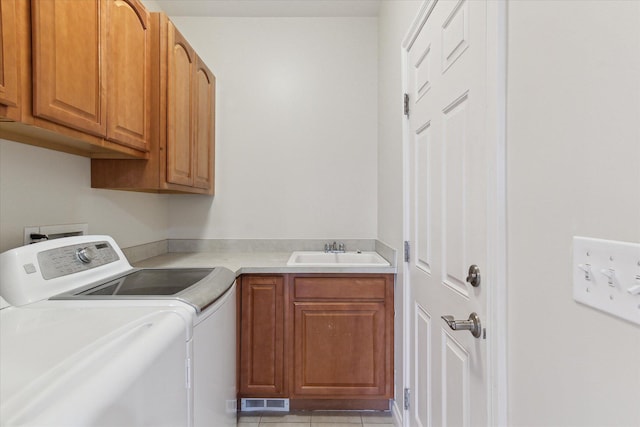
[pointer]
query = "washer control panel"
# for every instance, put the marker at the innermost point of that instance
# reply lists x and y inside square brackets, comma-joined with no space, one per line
[75,258]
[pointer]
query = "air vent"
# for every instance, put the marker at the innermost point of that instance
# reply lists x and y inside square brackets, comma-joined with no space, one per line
[265,405]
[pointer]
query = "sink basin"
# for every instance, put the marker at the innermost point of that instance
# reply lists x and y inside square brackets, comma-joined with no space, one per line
[345,259]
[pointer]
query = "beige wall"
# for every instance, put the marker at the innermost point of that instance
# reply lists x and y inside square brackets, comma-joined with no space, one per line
[45,187]
[394,21]
[573,142]
[296,144]
[296,136]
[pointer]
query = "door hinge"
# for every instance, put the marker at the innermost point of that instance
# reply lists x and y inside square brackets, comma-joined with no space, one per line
[407,399]
[407,251]
[406,104]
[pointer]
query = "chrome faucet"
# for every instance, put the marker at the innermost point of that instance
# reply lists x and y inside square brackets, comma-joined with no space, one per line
[334,247]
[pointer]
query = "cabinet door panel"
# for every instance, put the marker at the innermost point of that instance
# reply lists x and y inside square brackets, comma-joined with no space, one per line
[204,125]
[262,339]
[67,58]
[179,111]
[8,54]
[128,79]
[339,349]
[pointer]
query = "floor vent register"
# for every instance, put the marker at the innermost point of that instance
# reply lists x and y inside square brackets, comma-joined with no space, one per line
[253,404]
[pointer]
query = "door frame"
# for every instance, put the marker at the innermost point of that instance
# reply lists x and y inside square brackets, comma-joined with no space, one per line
[496,321]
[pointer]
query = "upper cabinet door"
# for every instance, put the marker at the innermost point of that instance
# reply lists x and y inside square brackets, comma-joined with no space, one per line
[180,71]
[68,86]
[9,73]
[204,124]
[128,76]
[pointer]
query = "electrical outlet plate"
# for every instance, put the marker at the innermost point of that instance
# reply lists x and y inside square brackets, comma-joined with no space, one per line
[28,231]
[55,231]
[606,276]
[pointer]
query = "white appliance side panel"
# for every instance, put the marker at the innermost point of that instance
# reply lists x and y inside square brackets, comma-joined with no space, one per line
[214,364]
[158,397]
[102,367]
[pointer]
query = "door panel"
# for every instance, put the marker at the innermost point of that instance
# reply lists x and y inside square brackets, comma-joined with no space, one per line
[455,230]
[455,382]
[128,79]
[179,115]
[68,85]
[262,340]
[455,34]
[423,372]
[204,127]
[9,73]
[446,76]
[423,194]
[339,349]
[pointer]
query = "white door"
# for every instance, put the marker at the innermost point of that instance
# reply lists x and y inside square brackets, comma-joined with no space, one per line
[447,191]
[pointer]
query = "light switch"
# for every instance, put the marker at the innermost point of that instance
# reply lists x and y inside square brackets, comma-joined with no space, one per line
[606,276]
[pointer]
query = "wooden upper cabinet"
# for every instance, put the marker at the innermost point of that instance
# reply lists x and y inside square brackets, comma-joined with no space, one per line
[180,108]
[9,64]
[181,149]
[68,84]
[190,115]
[92,68]
[204,126]
[129,74]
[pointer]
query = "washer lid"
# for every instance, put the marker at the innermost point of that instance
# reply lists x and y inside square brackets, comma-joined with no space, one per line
[198,287]
[151,282]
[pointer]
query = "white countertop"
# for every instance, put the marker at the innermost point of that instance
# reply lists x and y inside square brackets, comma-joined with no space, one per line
[248,262]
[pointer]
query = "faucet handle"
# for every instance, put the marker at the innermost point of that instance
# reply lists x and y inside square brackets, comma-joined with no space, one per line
[341,247]
[327,247]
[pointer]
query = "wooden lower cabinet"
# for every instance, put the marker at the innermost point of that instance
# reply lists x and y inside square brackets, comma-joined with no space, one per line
[339,349]
[338,340]
[261,361]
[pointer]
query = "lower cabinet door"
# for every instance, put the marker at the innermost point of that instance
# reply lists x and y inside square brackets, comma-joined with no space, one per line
[262,361]
[339,349]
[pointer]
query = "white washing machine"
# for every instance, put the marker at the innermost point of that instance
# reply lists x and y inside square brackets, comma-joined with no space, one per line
[88,277]
[93,366]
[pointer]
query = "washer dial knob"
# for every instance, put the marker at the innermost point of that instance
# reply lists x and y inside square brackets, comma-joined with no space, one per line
[86,254]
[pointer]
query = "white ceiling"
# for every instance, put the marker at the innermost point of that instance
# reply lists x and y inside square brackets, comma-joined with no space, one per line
[273,8]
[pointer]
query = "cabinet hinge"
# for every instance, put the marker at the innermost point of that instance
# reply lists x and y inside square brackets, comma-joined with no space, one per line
[407,251]
[407,399]
[406,104]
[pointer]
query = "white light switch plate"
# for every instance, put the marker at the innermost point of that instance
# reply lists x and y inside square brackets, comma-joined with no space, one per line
[606,276]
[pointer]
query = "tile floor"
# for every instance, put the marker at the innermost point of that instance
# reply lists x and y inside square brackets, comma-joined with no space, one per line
[317,419]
